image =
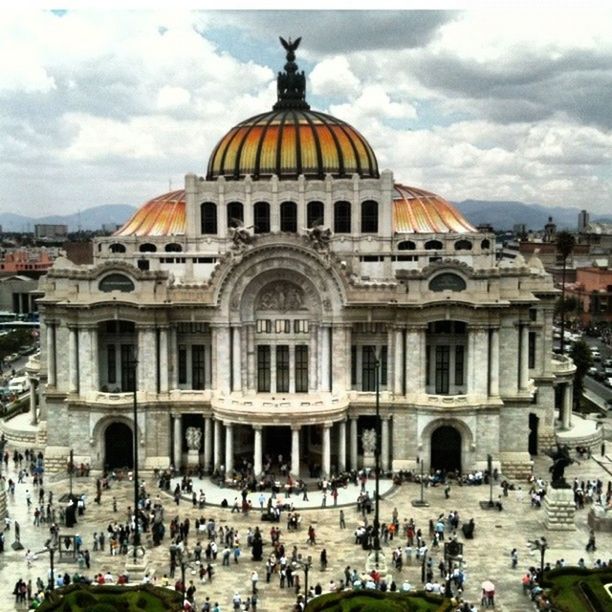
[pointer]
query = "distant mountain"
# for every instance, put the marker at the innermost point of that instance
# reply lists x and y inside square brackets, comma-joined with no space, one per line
[504,215]
[88,219]
[501,215]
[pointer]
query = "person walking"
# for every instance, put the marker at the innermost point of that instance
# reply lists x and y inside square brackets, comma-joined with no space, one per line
[342,521]
[254,579]
[323,559]
[591,543]
[514,558]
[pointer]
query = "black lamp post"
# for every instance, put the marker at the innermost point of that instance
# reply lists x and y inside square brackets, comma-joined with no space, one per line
[377,464]
[71,469]
[136,486]
[51,546]
[305,565]
[421,503]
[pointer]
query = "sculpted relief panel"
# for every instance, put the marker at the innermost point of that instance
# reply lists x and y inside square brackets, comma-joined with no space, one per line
[281,296]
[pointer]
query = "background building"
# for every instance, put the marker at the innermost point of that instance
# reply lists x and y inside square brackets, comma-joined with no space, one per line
[266,302]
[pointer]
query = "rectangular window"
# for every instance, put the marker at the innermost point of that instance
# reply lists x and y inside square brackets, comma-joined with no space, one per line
[282,369]
[368,369]
[459,365]
[442,369]
[111,363]
[353,365]
[127,368]
[197,366]
[264,326]
[428,365]
[301,369]
[300,326]
[182,365]
[263,368]
[532,349]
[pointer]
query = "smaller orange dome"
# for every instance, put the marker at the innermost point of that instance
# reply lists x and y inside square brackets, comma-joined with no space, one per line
[161,216]
[416,211]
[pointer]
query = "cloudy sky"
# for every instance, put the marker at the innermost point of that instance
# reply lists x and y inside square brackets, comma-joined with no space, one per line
[100,107]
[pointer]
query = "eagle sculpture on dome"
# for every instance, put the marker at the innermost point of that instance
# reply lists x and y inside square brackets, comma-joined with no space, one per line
[291,84]
[290,47]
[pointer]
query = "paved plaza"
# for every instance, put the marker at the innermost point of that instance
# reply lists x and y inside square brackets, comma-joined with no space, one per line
[487,556]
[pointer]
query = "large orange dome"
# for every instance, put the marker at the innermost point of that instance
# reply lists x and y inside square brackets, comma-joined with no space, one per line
[290,142]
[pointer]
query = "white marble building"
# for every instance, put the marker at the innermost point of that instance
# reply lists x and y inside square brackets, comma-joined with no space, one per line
[256,326]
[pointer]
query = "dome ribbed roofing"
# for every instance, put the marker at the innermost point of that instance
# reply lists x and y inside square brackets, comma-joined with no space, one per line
[161,216]
[290,142]
[416,211]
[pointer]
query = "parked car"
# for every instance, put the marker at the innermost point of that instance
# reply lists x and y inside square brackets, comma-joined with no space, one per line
[19,384]
[592,371]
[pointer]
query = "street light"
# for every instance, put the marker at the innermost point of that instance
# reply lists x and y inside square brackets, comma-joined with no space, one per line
[51,546]
[136,487]
[305,565]
[377,464]
[421,503]
[540,544]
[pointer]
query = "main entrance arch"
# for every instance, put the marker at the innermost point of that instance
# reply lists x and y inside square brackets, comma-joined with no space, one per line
[446,449]
[118,446]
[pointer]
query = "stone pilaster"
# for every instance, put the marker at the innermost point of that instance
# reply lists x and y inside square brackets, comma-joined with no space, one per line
[295,450]
[342,446]
[229,448]
[326,449]
[257,469]
[164,370]
[208,444]
[73,360]
[494,363]
[354,458]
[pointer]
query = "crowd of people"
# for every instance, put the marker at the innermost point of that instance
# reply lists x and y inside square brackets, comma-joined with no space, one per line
[204,545]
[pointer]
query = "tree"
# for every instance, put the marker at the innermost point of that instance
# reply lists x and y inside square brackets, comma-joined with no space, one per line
[583,360]
[565,245]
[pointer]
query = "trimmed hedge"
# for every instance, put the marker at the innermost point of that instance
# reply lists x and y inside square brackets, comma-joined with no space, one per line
[112,598]
[377,601]
[574,588]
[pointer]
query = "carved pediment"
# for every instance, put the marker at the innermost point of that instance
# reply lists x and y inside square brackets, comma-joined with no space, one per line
[281,296]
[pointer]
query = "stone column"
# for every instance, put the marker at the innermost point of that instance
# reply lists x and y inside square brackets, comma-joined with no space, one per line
[398,365]
[33,416]
[326,449]
[354,458]
[251,358]
[390,358]
[178,441]
[208,444]
[340,360]
[342,446]
[229,448]
[221,363]
[313,357]
[173,346]
[73,358]
[471,360]
[415,360]
[51,368]
[295,450]
[236,358]
[524,352]
[566,418]
[494,363]
[324,352]
[95,361]
[217,444]
[164,373]
[481,360]
[384,445]
[257,469]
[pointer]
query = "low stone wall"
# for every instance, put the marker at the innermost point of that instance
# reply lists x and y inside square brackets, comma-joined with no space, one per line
[20,438]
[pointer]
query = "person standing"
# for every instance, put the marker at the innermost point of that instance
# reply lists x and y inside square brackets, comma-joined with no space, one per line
[254,579]
[514,558]
[342,521]
[323,560]
[591,543]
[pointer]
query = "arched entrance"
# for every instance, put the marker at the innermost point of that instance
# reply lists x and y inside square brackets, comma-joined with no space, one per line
[118,446]
[446,449]
[533,433]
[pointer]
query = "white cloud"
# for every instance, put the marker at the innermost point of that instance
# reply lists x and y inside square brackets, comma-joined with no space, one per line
[172,97]
[333,77]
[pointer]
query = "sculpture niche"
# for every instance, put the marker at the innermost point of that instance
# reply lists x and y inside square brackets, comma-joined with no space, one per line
[193,437]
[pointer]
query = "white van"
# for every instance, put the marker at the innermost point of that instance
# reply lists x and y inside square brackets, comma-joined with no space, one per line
[19,385]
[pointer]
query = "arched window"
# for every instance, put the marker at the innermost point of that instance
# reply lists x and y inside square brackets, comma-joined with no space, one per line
[208,213]
[116,248]
[463,245]
[315,214]
[173,247]
[261,217]
[447,281]
[406,245]
[235,214]
[369,217]
[147,247]
[433,245]
[485,244]
[288,217]
[116,282]
[342,217]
